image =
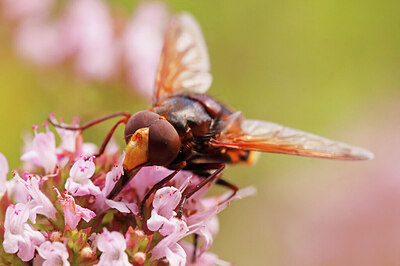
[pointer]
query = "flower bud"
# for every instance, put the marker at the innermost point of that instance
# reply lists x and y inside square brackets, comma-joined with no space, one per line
[86,252]
[139,258]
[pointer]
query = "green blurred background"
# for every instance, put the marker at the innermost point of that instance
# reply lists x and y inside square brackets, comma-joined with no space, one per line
[327,67]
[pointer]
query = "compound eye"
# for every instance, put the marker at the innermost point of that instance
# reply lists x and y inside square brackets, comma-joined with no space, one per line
[139,120]
[164,143]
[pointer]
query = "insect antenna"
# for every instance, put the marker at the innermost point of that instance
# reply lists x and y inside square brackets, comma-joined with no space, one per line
[88,124]
[93,123]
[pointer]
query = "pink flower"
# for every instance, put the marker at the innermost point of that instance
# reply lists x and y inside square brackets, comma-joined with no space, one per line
[20,9]
[142,44]
[113,246]
[79,183]
[205,259]
[165,201]
[12,187]
[73,213]
[88,31]
[163,216]
[3,168]
[19,235]
[39,41]
[39,201]
[168,247]
[3,174]
[72,146]
[43,151]
[54,253]
[68,137]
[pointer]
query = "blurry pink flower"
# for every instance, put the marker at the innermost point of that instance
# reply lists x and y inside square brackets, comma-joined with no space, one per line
[39,41]
[39,201]
[43,151]
[205,259]
[12,187]
[142,44]
[73,213]
[3,174]
[19,235]
[79,183]
[54,254]
[21,9]
[113,246]
[68,137]
[89,36]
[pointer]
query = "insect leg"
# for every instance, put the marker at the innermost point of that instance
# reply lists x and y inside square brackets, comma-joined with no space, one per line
[231,186]
[188,194]
[90,123]
[109,135]
[157,186]
[195,243]
[200,170]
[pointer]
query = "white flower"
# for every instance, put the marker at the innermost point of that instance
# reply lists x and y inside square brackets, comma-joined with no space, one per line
[113,246]
[54,253]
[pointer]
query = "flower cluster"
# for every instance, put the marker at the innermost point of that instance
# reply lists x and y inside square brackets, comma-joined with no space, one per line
[55,211]
[99,43]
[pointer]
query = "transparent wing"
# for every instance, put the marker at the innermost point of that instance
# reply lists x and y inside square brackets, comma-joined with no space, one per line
[184,64]
[270,137]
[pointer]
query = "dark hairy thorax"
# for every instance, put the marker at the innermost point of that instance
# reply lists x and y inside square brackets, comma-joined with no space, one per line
[197,118]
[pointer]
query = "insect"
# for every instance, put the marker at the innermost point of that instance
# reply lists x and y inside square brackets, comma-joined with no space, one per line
[185,129]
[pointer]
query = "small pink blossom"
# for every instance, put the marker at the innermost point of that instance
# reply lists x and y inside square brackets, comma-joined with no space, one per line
[54,254]
[163,219]
[39,201]
[68,137]
[168,247]
[112,245]
[79,183]
[73,213]
[142,44]
[43,151]
[165,201]
[88,32]
[19,235]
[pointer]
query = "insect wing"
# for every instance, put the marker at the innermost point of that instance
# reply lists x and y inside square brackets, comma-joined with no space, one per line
[184,64]
[265,136]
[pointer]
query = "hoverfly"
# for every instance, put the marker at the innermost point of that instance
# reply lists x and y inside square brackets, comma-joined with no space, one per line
[185,129]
